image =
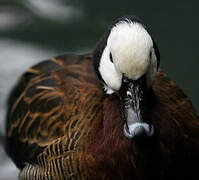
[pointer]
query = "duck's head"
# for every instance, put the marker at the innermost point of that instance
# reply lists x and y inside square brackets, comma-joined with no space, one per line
[126,59]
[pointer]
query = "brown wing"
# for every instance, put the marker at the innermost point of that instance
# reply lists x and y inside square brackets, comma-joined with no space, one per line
[173,111]
[51,100]
[177,124]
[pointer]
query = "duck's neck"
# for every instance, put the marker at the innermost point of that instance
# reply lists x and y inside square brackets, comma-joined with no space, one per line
[115,156]
[112,126]
[112,151]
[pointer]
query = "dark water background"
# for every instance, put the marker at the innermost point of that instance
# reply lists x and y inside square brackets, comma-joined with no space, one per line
[32,30]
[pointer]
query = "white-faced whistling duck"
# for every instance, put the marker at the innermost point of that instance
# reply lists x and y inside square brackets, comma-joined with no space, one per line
[107,116]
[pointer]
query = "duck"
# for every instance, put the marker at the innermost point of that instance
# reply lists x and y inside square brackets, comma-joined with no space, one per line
[109,115]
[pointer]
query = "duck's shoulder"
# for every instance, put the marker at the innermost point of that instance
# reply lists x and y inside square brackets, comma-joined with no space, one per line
[52,99]
[173,109]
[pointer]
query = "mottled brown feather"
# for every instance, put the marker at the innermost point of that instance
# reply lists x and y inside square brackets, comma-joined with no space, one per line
[52,103]
[59,126]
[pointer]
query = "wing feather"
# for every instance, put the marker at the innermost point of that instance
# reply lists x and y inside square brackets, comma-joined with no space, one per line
[51,100]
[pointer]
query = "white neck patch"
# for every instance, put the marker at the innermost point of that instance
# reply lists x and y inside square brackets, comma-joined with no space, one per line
[130,46]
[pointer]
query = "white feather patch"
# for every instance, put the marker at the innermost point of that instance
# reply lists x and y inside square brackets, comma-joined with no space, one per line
[109,72]
[130,45]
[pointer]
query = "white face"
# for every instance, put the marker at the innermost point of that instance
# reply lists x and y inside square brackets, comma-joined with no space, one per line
[130,46]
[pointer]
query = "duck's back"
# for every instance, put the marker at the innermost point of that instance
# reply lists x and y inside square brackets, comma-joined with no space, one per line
[51,112]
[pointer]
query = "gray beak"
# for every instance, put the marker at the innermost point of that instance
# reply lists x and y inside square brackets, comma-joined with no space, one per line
[133,95]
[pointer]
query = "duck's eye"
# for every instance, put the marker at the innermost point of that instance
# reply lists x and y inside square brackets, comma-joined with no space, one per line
[150,54]
[111,58]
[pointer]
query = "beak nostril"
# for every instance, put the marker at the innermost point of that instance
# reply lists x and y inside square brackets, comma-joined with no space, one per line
[129,95]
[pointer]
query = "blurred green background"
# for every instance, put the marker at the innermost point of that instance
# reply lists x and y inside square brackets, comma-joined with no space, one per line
[32,30]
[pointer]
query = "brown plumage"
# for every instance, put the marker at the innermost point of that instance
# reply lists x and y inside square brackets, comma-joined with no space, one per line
[50,116]
[99,117]
[59,126]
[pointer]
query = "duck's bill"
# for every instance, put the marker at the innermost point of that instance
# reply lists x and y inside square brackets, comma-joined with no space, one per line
[133,94]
